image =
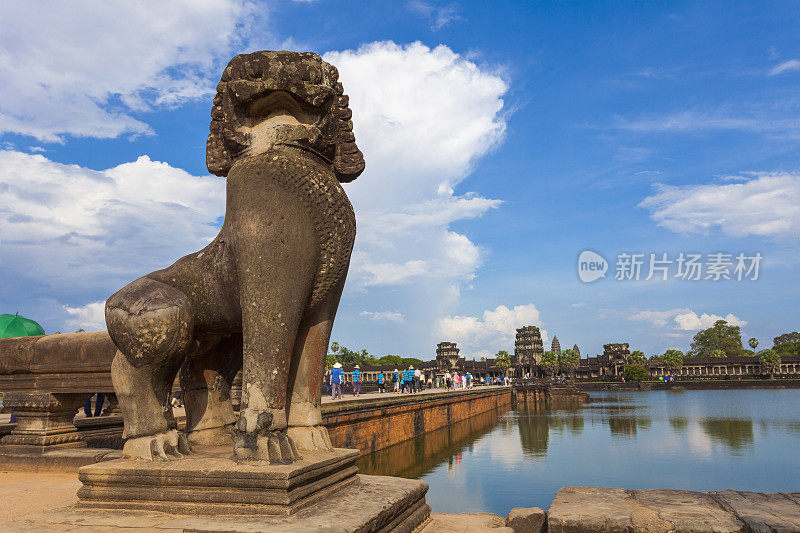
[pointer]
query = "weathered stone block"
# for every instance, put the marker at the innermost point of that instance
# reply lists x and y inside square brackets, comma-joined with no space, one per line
[526,520]
[589,509]
[688,511]
[762,512]
[598,509]
[466,522]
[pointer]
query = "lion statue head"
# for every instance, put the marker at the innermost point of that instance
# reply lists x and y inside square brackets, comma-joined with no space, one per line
[314,91]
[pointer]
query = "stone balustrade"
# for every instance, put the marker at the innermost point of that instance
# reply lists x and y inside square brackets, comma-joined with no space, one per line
[46,379]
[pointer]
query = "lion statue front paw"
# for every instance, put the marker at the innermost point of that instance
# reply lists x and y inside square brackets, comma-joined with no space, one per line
[273,446]
[163,446]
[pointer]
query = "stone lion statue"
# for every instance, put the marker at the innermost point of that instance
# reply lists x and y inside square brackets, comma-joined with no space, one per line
[263,295]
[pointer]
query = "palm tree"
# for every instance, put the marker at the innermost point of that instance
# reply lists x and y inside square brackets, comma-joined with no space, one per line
[753,342]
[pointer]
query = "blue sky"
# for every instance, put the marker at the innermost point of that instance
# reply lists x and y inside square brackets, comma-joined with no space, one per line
[501,140]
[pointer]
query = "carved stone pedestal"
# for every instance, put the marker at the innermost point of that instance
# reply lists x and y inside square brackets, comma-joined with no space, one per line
[212,492]
[213,484]
[44,419]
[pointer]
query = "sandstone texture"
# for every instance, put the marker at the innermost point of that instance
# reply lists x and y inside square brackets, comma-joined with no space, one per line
[527,520]
[466,523]
[599,509]
[763,512]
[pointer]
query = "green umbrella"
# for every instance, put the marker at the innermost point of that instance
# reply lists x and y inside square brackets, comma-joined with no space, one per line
[18,326]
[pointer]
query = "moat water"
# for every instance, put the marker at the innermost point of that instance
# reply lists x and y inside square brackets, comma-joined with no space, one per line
[694,440]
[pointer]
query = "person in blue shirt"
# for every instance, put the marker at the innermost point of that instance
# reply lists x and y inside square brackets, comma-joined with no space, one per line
[408,379]
[380,382]
[357,381]
[337,377]
[396,380]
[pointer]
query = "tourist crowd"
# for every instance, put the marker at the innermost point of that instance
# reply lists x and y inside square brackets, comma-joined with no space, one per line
[408,381]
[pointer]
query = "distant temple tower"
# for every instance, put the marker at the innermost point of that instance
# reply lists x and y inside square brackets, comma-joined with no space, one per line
[555,346]
[616,355]
[577,351]
[528,347]
[447,354]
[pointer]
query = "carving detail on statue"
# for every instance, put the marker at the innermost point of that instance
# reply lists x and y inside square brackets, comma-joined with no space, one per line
[263,295]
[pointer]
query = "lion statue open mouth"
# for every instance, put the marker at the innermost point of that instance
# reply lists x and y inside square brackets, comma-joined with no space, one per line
[263,295]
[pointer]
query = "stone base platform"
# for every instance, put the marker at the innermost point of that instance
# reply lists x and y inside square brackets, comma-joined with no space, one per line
[368,504]
[210,483]
[15,457]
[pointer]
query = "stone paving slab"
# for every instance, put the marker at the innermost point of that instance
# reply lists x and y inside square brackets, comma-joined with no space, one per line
[600,509]
[466,523]
[762,512]
[686,510]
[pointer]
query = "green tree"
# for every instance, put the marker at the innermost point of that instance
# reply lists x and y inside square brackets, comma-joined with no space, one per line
[350,358]
[770,360]
[411,361]
[502,361]
[717,353]
[390,359]
[635,372]
[753,342]
[672,359]
[787,344]
[787,337]
[720,336]
[637,357]
[549,363]
[568,361]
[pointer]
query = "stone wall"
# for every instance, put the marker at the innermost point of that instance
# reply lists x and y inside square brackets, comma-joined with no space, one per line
[547,394]
[376,424]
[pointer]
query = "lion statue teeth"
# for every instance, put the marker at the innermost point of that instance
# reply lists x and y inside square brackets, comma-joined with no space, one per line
[262,296]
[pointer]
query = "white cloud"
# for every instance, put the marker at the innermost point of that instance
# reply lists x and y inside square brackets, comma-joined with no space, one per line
[84,68]
[579,304]
[764,205]
[690,321]
[389,316]
[70,229]
[438,16]
[792,64]
[657,318]
[683,319]
[90,317]
[422,118]
[494,330]
[763,119]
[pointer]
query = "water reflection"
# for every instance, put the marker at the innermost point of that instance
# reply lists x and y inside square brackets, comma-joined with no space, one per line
[736,434]
[696,440]
[416,457]
[679,424]
[534,433]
